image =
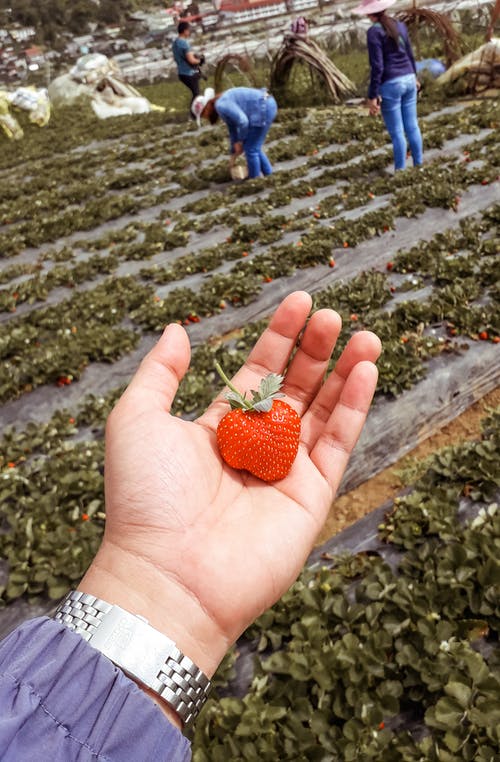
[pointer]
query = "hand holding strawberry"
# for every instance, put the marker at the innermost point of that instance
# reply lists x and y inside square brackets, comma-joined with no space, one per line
[197,547]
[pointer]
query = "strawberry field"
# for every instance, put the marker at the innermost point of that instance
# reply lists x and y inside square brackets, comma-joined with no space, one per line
[109,230]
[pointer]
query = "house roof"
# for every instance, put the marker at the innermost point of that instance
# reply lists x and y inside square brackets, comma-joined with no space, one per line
[33,51]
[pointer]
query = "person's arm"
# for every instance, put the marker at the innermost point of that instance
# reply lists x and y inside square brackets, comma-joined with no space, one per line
[186,51]
[495,13]
[234,117]
[409,49]
[62,701]
[183,544]
[376,57]
[192,59]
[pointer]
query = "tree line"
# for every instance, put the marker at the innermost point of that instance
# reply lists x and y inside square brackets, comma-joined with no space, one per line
[51,18]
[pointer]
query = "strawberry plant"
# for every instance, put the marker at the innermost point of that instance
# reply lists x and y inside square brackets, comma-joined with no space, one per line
[381,655]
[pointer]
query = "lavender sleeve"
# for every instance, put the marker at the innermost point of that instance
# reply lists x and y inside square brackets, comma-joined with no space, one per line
[62,701]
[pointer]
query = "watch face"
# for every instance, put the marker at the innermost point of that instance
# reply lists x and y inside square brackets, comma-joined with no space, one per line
[132,644]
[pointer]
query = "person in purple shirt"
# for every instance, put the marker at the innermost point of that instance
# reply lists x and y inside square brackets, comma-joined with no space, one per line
[393,81]
[193,551]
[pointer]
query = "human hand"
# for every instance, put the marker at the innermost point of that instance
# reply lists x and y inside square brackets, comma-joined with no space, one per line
[201,549]
[237,149]
[373,106]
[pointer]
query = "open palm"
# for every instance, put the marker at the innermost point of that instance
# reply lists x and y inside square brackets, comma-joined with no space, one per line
[204,546]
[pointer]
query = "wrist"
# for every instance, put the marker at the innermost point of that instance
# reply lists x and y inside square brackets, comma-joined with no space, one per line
[124,579]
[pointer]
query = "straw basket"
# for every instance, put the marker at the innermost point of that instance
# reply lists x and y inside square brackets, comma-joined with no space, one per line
[238,170]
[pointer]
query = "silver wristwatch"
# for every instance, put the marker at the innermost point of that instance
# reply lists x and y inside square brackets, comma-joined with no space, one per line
[139,650]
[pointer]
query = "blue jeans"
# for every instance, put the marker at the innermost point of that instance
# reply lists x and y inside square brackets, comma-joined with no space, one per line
[399,110]
[257,161]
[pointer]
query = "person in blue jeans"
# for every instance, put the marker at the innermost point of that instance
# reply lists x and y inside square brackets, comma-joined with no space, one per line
[393,81]
[248,113]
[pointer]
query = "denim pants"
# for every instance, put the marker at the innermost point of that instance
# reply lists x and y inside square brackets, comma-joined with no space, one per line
[257,161]
[399,110]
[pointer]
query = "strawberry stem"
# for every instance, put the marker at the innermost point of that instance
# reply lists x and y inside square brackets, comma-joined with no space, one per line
[248,405]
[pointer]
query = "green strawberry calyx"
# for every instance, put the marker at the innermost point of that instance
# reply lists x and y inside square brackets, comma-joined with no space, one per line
[261,400]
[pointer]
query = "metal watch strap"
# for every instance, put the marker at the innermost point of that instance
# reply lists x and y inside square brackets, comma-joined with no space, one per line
[141,651]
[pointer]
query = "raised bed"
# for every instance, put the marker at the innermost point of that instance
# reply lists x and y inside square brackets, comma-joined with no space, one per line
[317,197]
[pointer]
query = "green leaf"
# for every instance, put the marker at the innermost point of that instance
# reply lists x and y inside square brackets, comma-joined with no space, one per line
[448,712]
[452,741]
[459,691]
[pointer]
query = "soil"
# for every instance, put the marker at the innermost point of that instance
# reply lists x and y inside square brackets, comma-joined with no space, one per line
[385,485]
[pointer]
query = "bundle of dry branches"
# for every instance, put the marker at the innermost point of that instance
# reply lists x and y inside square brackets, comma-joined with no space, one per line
[476,72]
[440,21]
[296,48]
[234,61]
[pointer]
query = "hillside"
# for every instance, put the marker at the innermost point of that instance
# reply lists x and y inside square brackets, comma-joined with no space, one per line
[53,17]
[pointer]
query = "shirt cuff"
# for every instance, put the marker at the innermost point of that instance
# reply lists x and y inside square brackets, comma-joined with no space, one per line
[62,700]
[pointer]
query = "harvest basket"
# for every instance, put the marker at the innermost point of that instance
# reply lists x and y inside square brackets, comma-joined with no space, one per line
[238,170]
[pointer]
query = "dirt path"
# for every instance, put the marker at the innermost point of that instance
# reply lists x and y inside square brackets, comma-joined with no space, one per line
[385,485]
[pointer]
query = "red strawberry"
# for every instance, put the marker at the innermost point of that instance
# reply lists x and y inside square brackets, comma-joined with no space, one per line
[261,434]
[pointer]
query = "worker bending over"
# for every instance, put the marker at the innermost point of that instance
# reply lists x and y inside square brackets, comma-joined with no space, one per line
[248,113]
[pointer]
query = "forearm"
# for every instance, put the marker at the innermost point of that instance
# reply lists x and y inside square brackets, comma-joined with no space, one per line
[50,678]
[235,119]
[237,132]
[409,51]
[58,693]
[412,61]
[374,87]
[376,69]
[121,577]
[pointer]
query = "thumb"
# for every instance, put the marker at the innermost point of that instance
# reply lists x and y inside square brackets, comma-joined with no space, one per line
[156,381]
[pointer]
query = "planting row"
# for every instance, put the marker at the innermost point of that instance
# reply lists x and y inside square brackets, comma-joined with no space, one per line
[52,485]
[438,184]
[55,343]
[50,222]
